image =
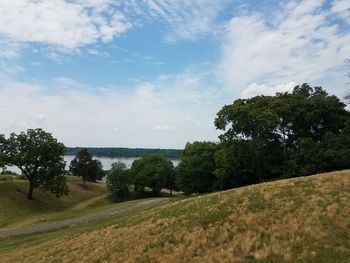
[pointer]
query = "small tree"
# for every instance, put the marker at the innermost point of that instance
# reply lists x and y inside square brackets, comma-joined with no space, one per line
[40,158]
[118,180]
[83,165]
[151,171]
[96,171]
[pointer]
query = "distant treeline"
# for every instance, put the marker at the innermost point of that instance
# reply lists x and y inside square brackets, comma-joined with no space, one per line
[125,152]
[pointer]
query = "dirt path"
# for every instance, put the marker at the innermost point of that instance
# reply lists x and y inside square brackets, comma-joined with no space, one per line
[75,221]
[88,202]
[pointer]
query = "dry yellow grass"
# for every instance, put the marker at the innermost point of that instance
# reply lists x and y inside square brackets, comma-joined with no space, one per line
[303,219]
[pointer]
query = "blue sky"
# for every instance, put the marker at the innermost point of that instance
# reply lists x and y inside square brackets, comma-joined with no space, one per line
[153,73]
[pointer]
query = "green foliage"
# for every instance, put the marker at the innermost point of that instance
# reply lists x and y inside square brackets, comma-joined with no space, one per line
[195,171]
[286,135]
[96,171]
[2,154]
[119,180]
[40,158]
[152,171]
[171,181]
[7,172]
[83,165]
[331,154]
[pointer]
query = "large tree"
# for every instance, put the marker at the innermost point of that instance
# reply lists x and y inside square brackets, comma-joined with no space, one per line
[265,136]
[195,172]
[83,165]
[306,112]
[152,171]
[39,156]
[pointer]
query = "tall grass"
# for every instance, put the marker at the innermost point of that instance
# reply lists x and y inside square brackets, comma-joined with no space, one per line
[296,220]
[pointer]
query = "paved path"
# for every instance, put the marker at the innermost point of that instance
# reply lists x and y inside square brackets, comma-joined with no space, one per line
[75,221]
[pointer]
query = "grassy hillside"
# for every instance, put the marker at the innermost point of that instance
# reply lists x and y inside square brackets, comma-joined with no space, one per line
[297,220]
[16,210]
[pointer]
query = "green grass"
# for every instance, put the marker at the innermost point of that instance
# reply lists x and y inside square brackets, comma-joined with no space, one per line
[16,210]
[305,219]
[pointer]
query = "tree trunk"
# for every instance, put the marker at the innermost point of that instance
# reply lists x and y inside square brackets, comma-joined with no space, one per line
[171,191]
[284,152]
[30,192]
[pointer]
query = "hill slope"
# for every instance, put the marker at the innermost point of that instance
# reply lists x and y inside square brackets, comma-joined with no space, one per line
[297,220]
[16,210]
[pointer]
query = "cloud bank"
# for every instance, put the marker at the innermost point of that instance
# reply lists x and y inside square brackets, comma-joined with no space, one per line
[261,53]
[302,42]
[59,23]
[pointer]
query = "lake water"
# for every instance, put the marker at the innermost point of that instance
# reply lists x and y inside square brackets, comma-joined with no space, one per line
[106,162]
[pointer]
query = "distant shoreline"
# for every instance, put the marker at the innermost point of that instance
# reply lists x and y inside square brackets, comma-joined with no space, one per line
[105,160]
[117,152]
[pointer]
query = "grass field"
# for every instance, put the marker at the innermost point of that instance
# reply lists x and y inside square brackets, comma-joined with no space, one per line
[16,210]
[305,219]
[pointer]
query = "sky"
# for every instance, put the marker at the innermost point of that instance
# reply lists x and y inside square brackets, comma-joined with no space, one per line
[154,73]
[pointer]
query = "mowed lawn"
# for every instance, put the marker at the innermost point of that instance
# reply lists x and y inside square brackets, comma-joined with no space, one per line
[16,210]
[304,219]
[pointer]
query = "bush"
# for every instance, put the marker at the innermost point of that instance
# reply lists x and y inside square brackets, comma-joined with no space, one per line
[152,171]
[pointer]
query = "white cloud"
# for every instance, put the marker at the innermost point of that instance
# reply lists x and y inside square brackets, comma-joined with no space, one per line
[9,49]
[10,68]
[299,43]
[187,20]
[342,9]
[59,23]
[164,127]
[66,25]
[256,89]
[162,113]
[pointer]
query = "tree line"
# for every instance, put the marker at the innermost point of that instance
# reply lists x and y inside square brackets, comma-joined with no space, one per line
[39,156]
[304,132]
[150,173]
[263,138]
[124,152]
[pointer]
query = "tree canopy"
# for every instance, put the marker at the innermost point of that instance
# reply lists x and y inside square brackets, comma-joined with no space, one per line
[267,137]
[39,156]
[119,180]
[306,112]
[83,165]
[151,171]
[194,174]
